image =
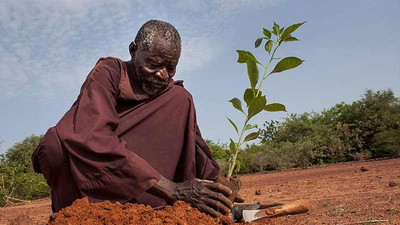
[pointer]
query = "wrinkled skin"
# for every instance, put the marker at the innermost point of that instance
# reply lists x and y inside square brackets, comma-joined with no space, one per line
[205,195]
[208,196]
[154,67]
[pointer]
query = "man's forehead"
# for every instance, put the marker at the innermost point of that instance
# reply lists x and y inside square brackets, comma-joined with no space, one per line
[159,41]
[161,48]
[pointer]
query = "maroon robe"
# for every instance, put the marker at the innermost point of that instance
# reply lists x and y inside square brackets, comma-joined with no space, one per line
[116,142]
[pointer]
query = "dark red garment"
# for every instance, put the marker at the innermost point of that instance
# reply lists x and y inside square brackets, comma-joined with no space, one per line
[119,141]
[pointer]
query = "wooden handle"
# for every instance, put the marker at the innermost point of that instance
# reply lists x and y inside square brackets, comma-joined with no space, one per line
[296,207]
[271,204]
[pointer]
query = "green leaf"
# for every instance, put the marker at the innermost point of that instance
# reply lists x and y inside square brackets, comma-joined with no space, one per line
[258,42]
[248,126]
[275,29]
[275,107]
[287,64]
[232,146]
[248,95]
[268,46]
[251,57]
[238,165]
[256,106]
[290,30]
[252,72]
[281,30]
[237,104]
[234,125]
[242,56]
[251,136]
[245,56]
[290,38]
[267,33]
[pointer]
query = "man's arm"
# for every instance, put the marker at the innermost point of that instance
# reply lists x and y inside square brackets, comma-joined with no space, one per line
[101,164]
[205,195]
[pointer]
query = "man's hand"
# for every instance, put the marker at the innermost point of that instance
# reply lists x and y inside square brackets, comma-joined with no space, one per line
[207,196]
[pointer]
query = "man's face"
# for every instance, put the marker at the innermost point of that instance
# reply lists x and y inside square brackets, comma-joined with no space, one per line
[155,66]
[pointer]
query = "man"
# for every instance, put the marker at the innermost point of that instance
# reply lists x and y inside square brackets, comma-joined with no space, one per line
[132,136]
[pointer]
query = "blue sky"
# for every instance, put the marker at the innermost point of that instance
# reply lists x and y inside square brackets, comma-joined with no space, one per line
[47,48]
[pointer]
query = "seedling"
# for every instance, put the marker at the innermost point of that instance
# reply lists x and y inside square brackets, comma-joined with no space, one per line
[255,101]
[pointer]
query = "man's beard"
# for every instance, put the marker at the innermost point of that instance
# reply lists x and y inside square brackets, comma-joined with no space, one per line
[150,84]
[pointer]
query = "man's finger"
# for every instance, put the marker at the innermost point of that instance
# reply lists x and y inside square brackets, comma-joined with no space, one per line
[239,199]
[210,211]
[205,181]
[218,206]
[221,198]
[217,187]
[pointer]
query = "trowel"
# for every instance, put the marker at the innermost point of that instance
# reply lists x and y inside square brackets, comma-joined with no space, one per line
[296,207]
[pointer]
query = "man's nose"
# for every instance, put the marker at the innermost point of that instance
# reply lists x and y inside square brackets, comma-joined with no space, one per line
[162,73]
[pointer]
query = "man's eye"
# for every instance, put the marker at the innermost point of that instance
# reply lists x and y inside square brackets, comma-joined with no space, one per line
[171,68]
[154,65]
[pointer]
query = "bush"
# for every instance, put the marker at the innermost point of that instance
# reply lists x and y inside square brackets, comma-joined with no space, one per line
[259,162]
[367,128]
[279,157]
[386,143]
[18,180]
[285,155]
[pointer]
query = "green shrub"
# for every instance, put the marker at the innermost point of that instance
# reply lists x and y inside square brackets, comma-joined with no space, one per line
[18,180]
[367,128]
[386,144]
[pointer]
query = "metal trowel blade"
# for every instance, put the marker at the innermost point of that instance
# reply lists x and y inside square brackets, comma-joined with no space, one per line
[251,215]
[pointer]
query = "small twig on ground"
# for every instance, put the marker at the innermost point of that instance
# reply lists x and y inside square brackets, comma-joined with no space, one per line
[8,198]
[363,222]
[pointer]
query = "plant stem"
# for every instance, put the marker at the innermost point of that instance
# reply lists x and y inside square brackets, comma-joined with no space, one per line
[266,69]
[239,143]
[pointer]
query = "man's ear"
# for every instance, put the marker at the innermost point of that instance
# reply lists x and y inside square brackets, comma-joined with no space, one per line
[133,48]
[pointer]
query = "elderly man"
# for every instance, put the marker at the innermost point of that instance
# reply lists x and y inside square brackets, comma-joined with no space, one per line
[132,136]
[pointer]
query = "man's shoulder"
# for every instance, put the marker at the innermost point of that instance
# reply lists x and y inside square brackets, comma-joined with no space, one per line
[109,68]
[181,90]
[106,72]
[110,63]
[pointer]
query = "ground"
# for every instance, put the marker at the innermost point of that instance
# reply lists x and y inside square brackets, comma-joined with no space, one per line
[339,194]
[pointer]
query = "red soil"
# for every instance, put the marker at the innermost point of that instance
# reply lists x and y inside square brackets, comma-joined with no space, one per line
[83,212]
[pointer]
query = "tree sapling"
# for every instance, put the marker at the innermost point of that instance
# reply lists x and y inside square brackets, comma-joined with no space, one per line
[255,101]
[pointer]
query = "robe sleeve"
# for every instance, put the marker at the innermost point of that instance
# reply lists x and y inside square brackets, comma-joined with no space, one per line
[101,164]
[206,166]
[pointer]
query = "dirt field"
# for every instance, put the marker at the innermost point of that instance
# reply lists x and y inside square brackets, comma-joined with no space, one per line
[339,194]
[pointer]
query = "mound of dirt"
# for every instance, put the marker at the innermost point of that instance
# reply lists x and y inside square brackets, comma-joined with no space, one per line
[83,212]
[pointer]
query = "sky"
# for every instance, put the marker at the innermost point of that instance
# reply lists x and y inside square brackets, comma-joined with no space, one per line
[47,48]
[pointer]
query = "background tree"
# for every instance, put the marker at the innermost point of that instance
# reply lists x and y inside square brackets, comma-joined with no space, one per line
[367,128]
[17,178]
